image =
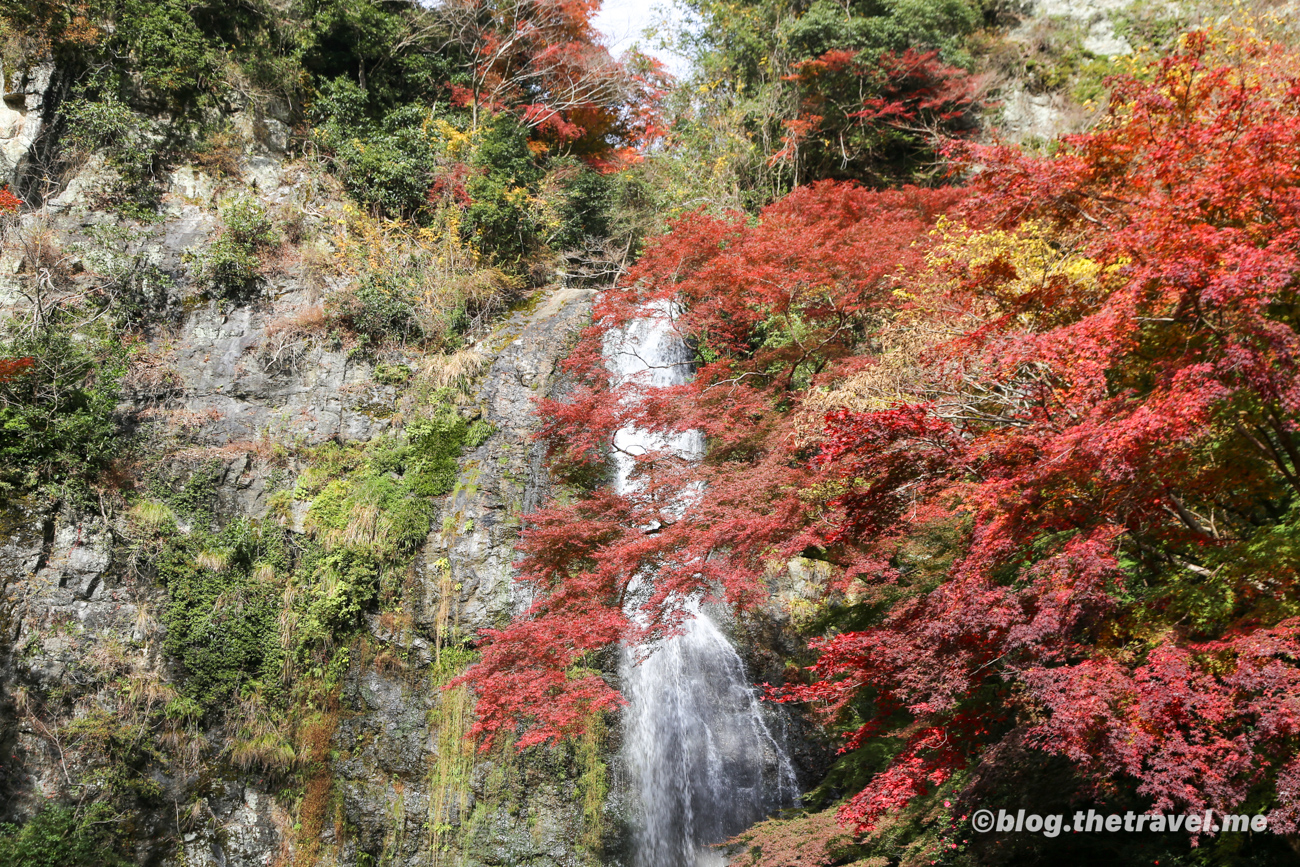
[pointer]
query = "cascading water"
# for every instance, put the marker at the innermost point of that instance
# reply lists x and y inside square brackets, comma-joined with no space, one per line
[702,760]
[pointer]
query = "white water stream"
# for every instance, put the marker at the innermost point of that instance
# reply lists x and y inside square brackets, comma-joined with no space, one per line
[702,760]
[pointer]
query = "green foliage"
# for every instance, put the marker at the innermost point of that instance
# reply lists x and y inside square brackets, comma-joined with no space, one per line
[383,306]
[56,419]
[134,284]
[389,484]
[587,208]
[502,217]
[192,498]
[122,750]
[1149,24]
[1056,61]
[248,224]
[390,166]
[391,374]
[100,122]
[60,836]
[230,267]
[387,165]
[222,610]
[388,48]
[873,27]
[371,517]
[174,58]
[105,124]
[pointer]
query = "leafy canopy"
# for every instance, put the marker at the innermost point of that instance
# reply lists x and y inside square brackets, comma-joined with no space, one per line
[1048,453]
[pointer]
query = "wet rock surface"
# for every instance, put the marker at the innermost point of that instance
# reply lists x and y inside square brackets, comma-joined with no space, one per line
[505,810]
[503,478]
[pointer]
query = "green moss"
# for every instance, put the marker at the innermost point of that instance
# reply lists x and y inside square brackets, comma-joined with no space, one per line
[592,783]
[248,602]
[223,607]
[452,763]
[190,495]
[123,750]
[391,374]
[60,836]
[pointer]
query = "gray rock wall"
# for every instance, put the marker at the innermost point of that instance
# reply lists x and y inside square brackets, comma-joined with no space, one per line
[218,385]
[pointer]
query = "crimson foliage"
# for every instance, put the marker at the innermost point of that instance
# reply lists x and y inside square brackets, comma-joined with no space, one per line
[872,118]
[769,306]
[1051,450]
[544,62]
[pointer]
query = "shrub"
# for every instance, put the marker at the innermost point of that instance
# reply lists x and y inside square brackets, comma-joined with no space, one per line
[132,282]
[585,209]
[503,217]
[231,266]
[386,166]
[248,224]
[382,307]
[222,614]
[56,416]
[60,836]
[107,125]
[102,123]
[175,58]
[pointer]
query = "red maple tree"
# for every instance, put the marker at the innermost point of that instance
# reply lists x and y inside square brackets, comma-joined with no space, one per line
[543,61]
[1052,448]
[771,305]
[860,116]
[13,367]
[1119,455]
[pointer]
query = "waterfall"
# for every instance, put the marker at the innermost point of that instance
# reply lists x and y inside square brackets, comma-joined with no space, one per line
[703,763]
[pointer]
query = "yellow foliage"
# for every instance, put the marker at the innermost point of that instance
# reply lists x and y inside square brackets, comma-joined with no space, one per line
[1028,259]
[1030,252]
[457,141]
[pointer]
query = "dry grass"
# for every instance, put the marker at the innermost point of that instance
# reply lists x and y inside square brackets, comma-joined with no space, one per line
[220,156]
[108,659]
[215,561]
[294,223]
[395,630]
[288,337]
[153,375]
[314,737]
[41,250]
[258,741]
[317,265]
[438,275]
[45,272]
[458,371]
[188,423]
[266,449]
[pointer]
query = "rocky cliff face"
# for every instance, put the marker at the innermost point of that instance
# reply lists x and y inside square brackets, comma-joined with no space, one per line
[408,783]
[225,400]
